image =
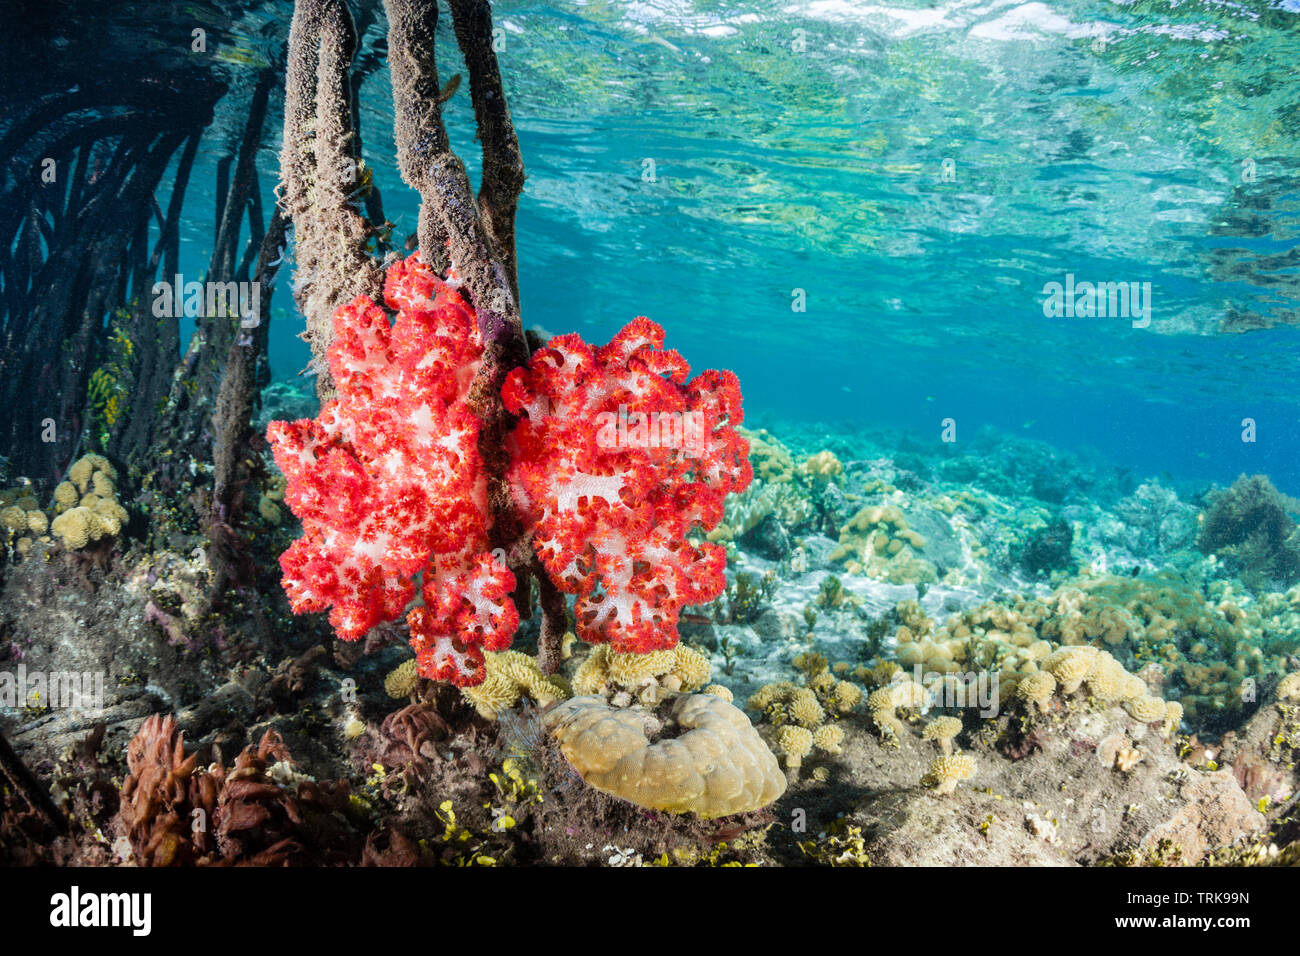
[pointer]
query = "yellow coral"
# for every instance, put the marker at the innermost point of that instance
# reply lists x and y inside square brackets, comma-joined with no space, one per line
[75,527]
[1289,687]
[847,696]
[1109,680]
[631,669]
[823,468]
[948,769]
[103,485]
[691,668]
[769,694]
[942,729]
[717,690]
[1071,666]
[1037,689]
[887,722]
[509,676]
[1146,709]
[402,680]
[495,695]
[80,472]
[37,523]
[795,743]
[1127,759]
[14,518]
[805,709]
[1173,717]
[269,510]
[716,766]
[65,495]
[592,672]
[828,737]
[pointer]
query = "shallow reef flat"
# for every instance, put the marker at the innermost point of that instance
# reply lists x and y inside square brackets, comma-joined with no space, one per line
[1008,656]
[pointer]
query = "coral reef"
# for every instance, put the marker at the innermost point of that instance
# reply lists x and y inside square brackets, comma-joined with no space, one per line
[1248,525]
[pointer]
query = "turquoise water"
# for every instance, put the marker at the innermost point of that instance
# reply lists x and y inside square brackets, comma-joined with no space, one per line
[803,146]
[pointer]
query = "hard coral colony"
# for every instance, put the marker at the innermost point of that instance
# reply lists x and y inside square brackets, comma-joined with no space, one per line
[389,482]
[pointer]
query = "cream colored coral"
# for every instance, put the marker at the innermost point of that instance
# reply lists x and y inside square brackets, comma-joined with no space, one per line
[682,668]
[943,730]
[1127,759]
[37,523]
[80,472]
[882,699]
[494,696]
[908,693]
[631,669]
[847,695]
[691,668]
[795,743]
[14,518]
[1109,680]
[717,690]
[65,495]
[805,709]
[947,770]
[402,680]
[509,676]
[1146,709]
[1289,687]
[1070,666]
[592,672]
[716,766]
[887,722]
[103,485]
[828,737]
[75,528]
[769,694]
[1173,717]
[1037,689]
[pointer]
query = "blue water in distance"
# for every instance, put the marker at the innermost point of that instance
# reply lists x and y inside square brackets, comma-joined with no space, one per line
[920,170]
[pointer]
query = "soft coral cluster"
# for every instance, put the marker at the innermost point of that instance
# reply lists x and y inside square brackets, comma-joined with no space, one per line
[618,458]
[389,484]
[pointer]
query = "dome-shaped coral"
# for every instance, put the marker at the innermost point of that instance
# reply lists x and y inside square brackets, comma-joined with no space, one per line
[716,766]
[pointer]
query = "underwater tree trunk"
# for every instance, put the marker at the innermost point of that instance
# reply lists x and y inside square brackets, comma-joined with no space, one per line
[110,146]
[478,237]
[25,783]
[320,175]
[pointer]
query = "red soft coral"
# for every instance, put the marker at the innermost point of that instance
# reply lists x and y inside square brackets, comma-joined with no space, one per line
[617,459]
[389,484]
